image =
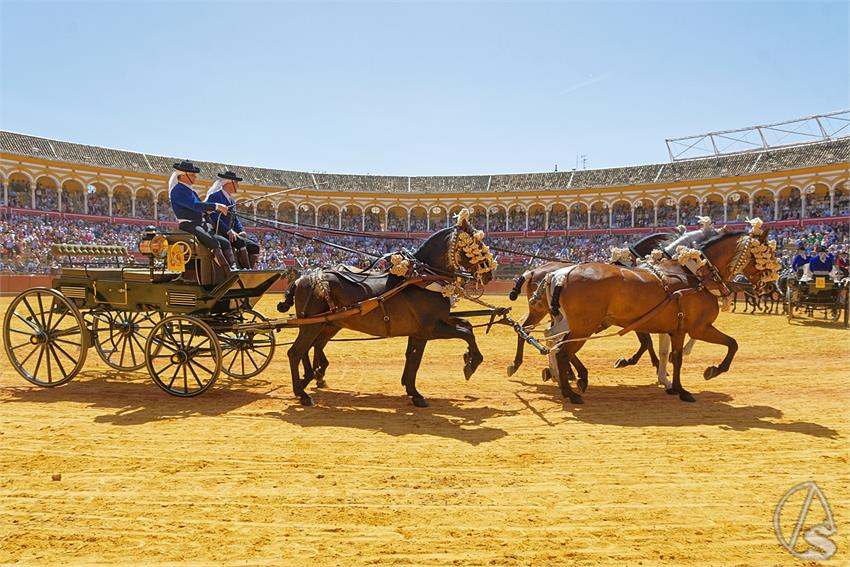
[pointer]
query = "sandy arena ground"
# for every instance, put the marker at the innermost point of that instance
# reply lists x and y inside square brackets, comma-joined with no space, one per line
[498,471]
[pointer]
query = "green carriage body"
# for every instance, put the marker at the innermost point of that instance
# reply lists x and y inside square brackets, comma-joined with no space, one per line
[185,326]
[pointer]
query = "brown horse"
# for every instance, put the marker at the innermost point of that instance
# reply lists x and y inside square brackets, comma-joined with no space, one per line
[538,304]
[414,312]
[657,299]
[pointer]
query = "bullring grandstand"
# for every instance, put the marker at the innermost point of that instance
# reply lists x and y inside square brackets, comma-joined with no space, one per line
[804,183]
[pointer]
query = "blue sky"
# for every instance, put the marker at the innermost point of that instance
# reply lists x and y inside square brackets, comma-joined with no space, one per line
[415,88]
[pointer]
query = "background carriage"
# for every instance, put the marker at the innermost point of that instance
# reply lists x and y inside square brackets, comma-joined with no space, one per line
[176,314]
[820,295]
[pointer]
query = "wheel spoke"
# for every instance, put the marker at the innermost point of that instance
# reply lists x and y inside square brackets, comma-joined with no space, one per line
[123,349]
[52,306]
[21,332]
[38,364]
[24,361]
[58,363]
[41,312]
[62,350]
[195,362]
[251,358]
[185,379]
[35,318]
[27,343]
[174,376]
[60,319]
[195,374]
[28,323]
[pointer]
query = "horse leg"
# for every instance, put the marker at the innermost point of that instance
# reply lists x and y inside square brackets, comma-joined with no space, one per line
[678,340]
[320,361]
[460,329]
[413,358]
[563,357]
[645,344]
[710,334]
[581,370]
[296,353]
[663,358]
[530,320]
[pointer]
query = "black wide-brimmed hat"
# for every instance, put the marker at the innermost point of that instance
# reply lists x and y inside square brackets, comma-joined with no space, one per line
[230,176]
[187,167]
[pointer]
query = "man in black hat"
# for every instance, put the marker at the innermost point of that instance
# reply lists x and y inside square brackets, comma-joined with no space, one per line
[229,226]
[191,211]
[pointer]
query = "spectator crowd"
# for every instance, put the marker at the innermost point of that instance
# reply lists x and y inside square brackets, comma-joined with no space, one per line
[25,243]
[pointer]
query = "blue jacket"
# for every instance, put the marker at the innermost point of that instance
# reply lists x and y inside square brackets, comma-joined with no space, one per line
[187,205]
[231,220]
[816,265]
[799,261]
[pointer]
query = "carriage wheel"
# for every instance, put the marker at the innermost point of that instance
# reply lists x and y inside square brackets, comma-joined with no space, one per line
[246,354]
[183,356]
[45,337]
[120,337]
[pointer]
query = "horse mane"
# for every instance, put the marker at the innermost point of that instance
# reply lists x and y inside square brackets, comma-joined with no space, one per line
[425,247]
[656,239]
[719,238]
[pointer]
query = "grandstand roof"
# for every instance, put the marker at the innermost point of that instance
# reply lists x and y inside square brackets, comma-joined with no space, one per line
[804,155]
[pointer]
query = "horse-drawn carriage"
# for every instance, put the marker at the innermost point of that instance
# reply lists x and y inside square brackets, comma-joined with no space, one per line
[822,293]
[176,314]
[180,316]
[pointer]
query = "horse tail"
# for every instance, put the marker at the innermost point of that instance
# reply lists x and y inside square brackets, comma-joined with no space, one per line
[518,285]
[288,298]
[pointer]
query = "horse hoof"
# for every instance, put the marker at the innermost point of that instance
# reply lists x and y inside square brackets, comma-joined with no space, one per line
[419,401]
[621,363]
[512,369]
[670,392]
[686,397]
[710,372]
[305,400]
[320,383]
[547,374]
[576,399]
[582,384]
[513,295]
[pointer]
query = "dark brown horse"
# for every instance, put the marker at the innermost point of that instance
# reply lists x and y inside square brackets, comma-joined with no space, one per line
[414,312]
[657,299]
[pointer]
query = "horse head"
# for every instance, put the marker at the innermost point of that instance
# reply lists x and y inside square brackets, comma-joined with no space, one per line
[459,250]
[745,253]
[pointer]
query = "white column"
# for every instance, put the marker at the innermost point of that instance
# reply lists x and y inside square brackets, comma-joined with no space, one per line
[109,195]
[832,202]
[775,208]
[487,219]
[654,214]
[526,219]
[155,207]
[610,217]
[633,216]
[546,219]
[678,222]
[133,207]
[32,196]
[725,211]
[59,199]
[803,198]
